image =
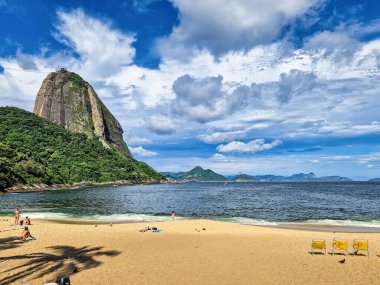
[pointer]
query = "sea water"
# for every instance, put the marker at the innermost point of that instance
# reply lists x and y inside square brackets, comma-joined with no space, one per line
[258,203]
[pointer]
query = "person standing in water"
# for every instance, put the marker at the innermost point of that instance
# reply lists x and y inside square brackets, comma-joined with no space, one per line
[173,216]
[17,216]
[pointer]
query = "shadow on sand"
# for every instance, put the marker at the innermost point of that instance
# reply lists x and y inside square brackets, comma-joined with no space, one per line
[64,260]
[9,243]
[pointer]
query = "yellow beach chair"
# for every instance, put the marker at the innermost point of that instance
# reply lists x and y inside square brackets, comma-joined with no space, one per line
[340,244]
[361,244]
[319,244]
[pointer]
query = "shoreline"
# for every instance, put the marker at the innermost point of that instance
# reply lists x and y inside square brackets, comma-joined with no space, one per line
[296,227]
[39,187]
[328,228]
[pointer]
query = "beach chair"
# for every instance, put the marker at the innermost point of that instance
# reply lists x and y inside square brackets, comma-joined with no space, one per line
[360,244]
[340,244]
[319,244]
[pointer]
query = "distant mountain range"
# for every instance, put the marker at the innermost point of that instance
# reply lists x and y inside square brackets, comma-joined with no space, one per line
[301,177]
[196,174]
[200,174]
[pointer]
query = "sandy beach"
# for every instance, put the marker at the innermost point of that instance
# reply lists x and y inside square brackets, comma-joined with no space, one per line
[182,253]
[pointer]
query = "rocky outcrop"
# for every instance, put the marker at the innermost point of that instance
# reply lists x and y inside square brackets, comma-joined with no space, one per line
[69,101]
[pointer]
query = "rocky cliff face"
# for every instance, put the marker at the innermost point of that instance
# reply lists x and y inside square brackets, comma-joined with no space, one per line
[67,100]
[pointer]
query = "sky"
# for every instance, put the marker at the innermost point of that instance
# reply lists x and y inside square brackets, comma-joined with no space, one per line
[244,86]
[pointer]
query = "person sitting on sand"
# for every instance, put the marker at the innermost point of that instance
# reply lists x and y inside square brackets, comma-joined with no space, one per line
[145,229]
[26,234]
[27,221]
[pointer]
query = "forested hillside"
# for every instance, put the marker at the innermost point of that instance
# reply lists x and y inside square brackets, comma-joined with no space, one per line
[33,150]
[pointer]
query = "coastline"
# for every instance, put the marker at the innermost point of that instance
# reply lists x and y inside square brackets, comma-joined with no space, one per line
[184,252]
[24,188]
[295,227]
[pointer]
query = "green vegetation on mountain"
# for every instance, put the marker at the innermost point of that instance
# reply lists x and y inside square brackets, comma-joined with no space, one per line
[196,174]
[34,150]
[244,177]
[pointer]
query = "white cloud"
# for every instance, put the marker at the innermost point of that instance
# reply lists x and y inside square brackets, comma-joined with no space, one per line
[205,100]
[295,83]
[369,158]
[160,125]
[218,137]
[249,147]
[142,151]
[223,25]
[332,40]
[338,157]
[348,128]
[135,140]
[314,161]
[103,50]
[218,157]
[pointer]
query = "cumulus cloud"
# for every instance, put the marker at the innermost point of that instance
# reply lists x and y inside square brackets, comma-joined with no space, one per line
[213,24]
[142,151]
[295,83]
[348,128]
[369,158]
[249,147]
[136,140]
[160,125]
[218,157]
[219,137]
[102,49]
[205,99]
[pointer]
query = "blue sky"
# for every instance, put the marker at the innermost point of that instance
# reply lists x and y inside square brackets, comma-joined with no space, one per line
[256,87]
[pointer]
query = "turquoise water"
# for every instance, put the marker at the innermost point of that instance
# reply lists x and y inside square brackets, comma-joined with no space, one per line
[262,203]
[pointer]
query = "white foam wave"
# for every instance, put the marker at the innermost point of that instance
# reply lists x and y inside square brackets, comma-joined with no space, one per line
[249,221]
[324,222]
[347,223]
[132,217]
[99,218]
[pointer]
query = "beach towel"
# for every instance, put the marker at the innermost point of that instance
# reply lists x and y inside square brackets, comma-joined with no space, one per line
[155,231]
[28,239]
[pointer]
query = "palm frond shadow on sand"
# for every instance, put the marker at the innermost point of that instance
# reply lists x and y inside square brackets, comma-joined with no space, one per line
[9,243]
[64,260]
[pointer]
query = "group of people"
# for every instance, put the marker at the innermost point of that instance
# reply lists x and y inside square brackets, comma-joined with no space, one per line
[19,221]
[26,235]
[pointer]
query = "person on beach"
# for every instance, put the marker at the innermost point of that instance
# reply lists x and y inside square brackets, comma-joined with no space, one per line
[27,221]
[145,229]
[17,216]
[26,234]
[173,216]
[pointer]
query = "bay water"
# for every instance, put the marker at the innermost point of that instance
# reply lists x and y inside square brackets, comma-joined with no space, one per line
[257,203]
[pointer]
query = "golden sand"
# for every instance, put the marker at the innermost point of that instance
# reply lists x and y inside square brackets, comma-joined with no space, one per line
[182,253]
